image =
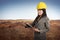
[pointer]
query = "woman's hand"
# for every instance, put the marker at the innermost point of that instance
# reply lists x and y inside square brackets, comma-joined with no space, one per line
[27,23]
[36,29]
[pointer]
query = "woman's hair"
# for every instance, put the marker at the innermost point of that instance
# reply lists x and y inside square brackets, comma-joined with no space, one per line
[38,17]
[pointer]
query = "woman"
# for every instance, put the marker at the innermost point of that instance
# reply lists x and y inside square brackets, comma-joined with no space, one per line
[41,23]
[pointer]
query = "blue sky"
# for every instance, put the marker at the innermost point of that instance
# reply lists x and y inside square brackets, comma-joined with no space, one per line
[26,9]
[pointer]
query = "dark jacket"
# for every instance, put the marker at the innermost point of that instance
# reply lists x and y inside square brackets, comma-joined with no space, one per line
[42,24]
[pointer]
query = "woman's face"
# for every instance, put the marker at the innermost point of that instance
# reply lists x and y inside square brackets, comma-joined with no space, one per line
[40,12]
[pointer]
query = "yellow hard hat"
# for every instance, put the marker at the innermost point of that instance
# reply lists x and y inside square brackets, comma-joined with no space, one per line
[41,5]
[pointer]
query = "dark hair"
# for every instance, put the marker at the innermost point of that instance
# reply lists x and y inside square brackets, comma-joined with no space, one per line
[44,12]
[38,17]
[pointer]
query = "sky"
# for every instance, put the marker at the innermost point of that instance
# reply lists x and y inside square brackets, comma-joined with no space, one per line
[26,9]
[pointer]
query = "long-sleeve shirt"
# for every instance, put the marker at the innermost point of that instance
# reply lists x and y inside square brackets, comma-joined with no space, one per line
[42,24]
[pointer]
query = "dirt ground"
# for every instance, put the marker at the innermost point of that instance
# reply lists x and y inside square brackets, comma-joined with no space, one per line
[15,30]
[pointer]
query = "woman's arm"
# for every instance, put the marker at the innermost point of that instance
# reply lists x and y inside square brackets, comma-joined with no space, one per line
[47,26]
